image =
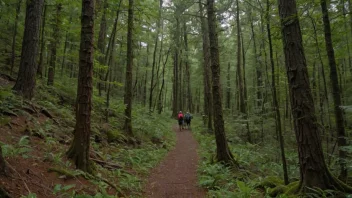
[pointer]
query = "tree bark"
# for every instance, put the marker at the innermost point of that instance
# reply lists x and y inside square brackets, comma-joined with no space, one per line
[339,119]
[160,105]
[79,150]
[26,75]
[239,66]
[64,53]
[208,101]
[101,45]
[258,68]
[228,88]
[129,67]
[223,152]
[187,81]
[42,44]
[13,48]
[151,90]
[313,170]
[53,45]
[275,101]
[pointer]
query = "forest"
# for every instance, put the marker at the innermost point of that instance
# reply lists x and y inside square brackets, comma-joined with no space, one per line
[91,90]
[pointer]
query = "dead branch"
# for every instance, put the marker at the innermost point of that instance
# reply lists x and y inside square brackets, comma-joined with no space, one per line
[7,77]
[48,114]
[24,182]
[9,113]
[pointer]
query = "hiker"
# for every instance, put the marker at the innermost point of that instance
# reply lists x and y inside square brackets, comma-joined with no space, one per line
[180,120]
[188,118]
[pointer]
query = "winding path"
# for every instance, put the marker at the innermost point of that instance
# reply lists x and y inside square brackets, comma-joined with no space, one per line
[176,176]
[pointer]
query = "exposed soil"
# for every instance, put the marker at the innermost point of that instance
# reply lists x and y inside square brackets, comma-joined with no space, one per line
[176,176]
[30,174]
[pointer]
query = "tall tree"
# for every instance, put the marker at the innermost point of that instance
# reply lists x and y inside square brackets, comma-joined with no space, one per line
[26,75]
[335,91]
[152,86]
[313,170]
[128,80]
[54,43]
[208,101]
[42,43]
[187,84]
[13,52]
[275,100]
[79,150]
[101,44]
[223,152]
[239,66]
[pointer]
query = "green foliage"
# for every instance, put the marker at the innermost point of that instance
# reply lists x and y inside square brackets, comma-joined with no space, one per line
[8,101]
[21,148]
[98,195]
[116,135]
[64,191]
[153,127]
[270,182]
[30,195]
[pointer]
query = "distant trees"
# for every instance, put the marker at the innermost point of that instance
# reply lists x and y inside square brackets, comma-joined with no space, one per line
[79,150]
[26,75]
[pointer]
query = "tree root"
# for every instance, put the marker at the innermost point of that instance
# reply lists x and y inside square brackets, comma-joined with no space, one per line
[107,164]
[64,172]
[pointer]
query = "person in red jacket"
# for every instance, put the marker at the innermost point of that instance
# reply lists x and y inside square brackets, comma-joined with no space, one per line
[180,120]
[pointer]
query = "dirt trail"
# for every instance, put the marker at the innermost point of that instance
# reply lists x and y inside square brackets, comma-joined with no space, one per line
[176,176]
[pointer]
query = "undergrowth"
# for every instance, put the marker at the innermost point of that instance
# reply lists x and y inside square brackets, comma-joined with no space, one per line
[256,162]
[152,132]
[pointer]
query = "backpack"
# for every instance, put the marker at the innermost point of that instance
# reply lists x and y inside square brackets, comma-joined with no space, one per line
[188,117]
[180,116]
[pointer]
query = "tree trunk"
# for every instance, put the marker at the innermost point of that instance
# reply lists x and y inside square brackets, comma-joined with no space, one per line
[26,75]
[239,69]
[13,48]
[245,96]
[128,81]
[187,81]
[160,105]
[154,58]
[64,54]
[176,90]
[101,46]
[3,167]
[258,68]
[54,44]
[313,170]
[323,95]
[228,88]
[275,101]
[339,119]
[223,152]
[208,101]
[79,150]
[42,44]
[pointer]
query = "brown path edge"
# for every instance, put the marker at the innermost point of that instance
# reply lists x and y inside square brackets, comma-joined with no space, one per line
[176,175]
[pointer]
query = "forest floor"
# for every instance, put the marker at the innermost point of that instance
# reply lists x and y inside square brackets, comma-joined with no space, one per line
[35,137]
[176,176]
